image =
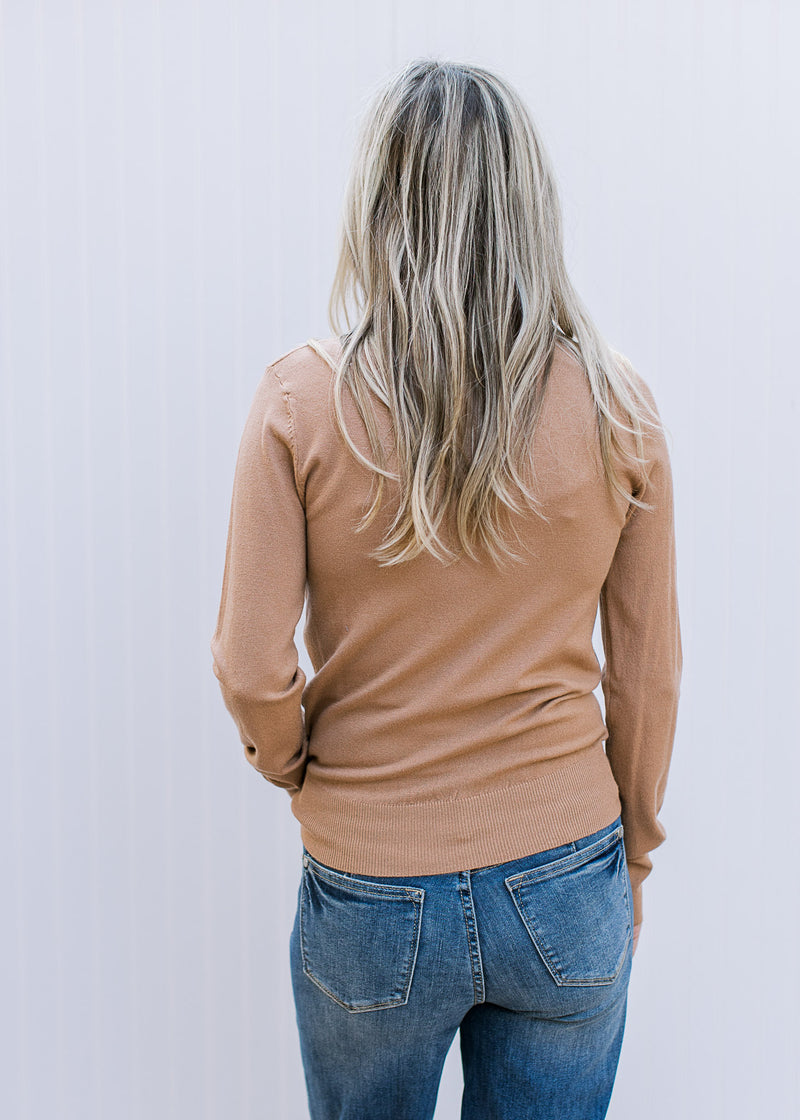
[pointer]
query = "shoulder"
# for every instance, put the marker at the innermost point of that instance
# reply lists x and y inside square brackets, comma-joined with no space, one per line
[307,367]
[635,379]
[293,396]
[654,474]
[573,382]
[573,369]
[569,391]
[298,379]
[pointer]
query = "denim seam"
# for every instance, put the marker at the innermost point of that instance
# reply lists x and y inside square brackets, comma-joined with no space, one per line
[473,940]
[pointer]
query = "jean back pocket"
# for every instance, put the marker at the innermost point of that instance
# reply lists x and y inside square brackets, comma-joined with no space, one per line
[578,911]
[358,939]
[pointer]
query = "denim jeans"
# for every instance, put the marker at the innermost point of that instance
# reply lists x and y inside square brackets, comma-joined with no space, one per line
[530,960]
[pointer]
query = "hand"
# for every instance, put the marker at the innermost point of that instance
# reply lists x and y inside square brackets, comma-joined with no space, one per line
[636,930]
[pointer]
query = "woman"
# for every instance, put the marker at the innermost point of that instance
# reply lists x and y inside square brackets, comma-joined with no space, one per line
[453,485]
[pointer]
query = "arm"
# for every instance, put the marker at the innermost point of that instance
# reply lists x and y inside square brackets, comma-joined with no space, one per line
[263,589]
[643,663]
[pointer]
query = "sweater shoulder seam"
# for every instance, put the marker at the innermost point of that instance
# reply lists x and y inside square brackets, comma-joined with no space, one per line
[290,414]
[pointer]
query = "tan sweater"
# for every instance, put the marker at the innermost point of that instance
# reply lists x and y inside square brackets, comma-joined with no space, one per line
[451,721]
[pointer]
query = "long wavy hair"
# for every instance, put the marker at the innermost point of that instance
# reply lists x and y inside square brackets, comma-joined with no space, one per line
[451,252]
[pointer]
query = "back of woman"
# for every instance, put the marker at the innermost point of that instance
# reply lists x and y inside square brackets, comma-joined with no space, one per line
[453,487]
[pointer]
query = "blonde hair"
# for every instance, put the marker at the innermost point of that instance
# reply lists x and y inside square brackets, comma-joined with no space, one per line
[451,248]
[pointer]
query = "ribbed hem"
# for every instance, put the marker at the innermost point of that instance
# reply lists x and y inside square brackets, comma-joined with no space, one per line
[565,799]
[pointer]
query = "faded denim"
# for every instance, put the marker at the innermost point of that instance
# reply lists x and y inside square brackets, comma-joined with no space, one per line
[530,960]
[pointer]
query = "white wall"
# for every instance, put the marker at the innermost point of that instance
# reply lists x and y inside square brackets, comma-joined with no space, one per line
[171,180]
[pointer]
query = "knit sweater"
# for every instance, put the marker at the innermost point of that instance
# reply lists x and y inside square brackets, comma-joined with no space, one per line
[451,721]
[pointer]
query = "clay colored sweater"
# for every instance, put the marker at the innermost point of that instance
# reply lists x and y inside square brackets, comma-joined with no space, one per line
[451,721]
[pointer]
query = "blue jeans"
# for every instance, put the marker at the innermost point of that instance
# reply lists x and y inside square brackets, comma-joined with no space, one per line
[530,960]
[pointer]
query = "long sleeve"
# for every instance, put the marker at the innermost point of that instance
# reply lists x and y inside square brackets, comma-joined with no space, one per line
[643,663]
[254,655]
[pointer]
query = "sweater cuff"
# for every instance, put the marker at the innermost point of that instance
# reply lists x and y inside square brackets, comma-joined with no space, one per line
[637,905]
[290,789]
[638,870]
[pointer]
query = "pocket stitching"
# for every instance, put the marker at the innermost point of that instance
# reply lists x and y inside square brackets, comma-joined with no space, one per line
[574,859]
[548,870]
[417,899]
[364,885]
